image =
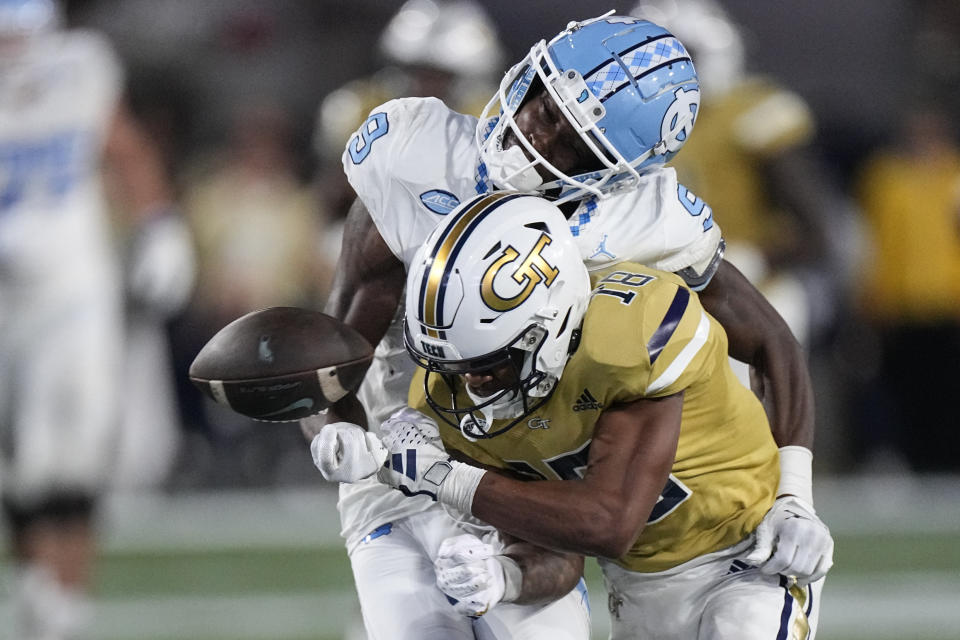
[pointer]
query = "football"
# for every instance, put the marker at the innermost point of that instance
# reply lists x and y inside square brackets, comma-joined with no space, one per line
[282,364]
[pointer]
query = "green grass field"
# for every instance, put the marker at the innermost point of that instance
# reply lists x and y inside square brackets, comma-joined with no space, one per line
[255,568]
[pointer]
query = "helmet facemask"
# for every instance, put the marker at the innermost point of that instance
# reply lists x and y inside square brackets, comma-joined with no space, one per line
[523,390]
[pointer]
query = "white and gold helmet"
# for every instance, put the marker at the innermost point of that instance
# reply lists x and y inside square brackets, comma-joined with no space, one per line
[501,282]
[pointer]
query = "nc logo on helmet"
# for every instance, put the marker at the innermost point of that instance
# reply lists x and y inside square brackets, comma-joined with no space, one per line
[678,121]
[533,270]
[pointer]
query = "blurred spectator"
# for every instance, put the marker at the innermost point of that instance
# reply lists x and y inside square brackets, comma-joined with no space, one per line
[910,196]
[787,225]
[63,283]
[258,235]
[447,49]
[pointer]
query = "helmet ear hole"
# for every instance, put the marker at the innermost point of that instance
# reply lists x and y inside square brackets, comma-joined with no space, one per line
[563,325]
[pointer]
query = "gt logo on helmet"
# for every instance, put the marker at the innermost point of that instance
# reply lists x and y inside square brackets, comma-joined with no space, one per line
[533,270]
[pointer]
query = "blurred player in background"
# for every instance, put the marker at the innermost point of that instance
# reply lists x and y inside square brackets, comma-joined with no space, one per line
[787,226]
[62,291]
[668,460]
[910,195]
[260,242]
[568,122]
[447,49]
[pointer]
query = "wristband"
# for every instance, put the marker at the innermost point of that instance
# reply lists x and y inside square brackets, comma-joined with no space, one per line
[796,473]
[459,485]
[512,578]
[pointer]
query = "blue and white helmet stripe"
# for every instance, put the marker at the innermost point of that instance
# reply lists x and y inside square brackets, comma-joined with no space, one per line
[614,76]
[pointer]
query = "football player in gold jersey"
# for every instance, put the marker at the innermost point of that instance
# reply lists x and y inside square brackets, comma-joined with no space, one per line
[619,402]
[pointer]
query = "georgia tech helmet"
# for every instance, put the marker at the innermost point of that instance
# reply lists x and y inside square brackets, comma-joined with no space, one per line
[628,88]
[500,283]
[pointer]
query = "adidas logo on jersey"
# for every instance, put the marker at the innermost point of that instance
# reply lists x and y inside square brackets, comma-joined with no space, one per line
[586,402]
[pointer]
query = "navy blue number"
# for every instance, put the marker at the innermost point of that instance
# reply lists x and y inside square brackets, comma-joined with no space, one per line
[670,498]
[624,278]
[375,127]
[570,466]
[695,206]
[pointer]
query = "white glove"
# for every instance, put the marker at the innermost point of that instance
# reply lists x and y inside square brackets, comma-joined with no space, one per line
[473,573]
[792,541]
[417,463]
[344,452]
[161,265]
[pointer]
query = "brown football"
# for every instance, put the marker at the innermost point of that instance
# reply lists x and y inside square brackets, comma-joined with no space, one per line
[282,364]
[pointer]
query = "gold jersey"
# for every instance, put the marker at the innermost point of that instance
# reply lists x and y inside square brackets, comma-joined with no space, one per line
[645,334]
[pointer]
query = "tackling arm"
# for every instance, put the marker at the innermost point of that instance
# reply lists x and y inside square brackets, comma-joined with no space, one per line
[761,338]
[547,574]
[367,288]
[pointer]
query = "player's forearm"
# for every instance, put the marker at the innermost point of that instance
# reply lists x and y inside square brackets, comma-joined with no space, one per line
[547,575]
[567,515]
[787,391]
[759,336]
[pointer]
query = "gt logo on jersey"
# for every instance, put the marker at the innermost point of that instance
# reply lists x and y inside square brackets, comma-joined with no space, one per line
[533,270]
[678,121]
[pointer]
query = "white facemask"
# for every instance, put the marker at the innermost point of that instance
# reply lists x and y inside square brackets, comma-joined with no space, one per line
[510,168]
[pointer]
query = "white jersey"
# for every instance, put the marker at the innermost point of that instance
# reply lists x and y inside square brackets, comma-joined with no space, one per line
[411,163]
[60,306]
[57,98]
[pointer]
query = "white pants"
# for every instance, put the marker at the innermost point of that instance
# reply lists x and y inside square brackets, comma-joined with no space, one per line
[396,584]
[714,597]
[60,358]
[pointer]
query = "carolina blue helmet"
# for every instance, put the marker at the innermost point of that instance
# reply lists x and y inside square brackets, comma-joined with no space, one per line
[627,86]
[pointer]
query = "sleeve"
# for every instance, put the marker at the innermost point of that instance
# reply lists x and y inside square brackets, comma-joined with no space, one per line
[671,337]
[692,240]
[385,159]
[679,338]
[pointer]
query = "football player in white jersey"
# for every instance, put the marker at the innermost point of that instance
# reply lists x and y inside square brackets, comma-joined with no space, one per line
[61,298]
[588,119]
[619,398]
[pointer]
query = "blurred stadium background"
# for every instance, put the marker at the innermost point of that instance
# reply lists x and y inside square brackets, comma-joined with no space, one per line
[233,535]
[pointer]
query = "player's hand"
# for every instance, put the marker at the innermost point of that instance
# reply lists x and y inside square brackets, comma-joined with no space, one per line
[792,541]
[468,570]
[161,265]
[417,464]
[343,452]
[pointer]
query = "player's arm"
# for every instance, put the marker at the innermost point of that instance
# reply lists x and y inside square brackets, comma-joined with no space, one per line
[367,288]
[602,514]
[542,574]
[135,167]
[631,454]
[761,338]
[160,261]
[547,574]
[791,539]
